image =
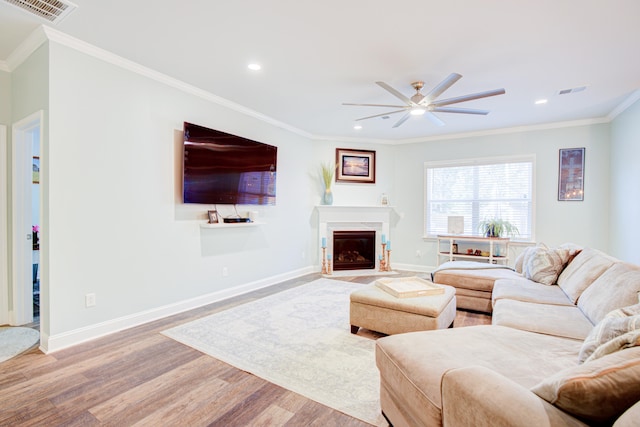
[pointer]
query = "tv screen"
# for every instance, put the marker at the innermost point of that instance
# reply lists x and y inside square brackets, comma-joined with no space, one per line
[220,168]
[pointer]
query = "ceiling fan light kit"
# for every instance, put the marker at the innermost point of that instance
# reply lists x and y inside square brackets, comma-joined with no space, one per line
[420,104]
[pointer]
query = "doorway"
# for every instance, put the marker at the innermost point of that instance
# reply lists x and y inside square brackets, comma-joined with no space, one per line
[25,194]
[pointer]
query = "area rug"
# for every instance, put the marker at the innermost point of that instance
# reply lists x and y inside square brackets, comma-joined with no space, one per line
[298,339]
[15,340]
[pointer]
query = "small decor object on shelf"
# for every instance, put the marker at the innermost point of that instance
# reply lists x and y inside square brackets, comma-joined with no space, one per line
[356,166]
[328,171]
[455,224]
[213,217]
[384,200]
[497,227]
[385,257]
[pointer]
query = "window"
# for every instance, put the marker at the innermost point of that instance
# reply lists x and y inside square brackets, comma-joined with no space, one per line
[477,190]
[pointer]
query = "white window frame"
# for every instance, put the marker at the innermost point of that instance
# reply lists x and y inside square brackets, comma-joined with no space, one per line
[482,161]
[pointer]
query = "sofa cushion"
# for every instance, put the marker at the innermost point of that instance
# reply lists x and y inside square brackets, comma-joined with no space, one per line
[616,323]
[412,365]
[616,288]
[544,265]
[598,391]
[529,291]
[630,417]
[480,279]
[582,271]
[557,320]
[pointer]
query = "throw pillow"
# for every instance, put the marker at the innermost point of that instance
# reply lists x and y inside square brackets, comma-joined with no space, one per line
[520,260]
[616,323]
[598,391]
[525,255]
[544,265]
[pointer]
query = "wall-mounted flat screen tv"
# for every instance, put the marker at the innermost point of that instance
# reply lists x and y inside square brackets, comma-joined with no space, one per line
[220,168]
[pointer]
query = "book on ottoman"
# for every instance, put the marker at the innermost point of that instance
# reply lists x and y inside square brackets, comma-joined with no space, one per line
[408,287]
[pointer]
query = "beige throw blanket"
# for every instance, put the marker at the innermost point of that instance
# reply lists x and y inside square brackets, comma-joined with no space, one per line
[467,265]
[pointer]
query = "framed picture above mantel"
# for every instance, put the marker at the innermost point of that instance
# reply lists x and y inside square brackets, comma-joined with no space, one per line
[357,166]
[571,174]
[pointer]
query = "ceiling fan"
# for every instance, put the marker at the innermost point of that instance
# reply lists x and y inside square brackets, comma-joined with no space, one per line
[420,104]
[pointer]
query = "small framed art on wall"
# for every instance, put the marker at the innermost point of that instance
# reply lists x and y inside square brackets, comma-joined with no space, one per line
[356,166]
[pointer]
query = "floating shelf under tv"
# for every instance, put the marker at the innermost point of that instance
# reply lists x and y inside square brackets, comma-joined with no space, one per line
[232,224]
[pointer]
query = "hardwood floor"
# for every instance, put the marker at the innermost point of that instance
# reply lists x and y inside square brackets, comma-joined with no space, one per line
[140,377]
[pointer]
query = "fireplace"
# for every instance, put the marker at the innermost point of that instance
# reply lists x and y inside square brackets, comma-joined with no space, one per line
[354,250]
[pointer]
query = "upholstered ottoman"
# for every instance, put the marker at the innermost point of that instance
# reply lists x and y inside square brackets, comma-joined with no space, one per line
[375,309]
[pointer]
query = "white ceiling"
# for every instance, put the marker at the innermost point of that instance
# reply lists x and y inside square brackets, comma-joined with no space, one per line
[317,55]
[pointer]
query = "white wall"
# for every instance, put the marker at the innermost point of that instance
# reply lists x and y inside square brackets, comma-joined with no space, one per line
[625,188]
[353,194]
[117,225]
[556,222]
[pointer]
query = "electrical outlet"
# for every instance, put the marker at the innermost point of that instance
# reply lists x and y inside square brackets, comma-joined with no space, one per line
[90,300]
[302,255]
[419,253]
[225,271]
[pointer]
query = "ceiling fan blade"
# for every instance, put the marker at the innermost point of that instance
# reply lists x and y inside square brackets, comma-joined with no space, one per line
[402,120]
[460,110]
[434,119]
[468,97]
[375,105]
[442,86]
[394,92]
[380,115]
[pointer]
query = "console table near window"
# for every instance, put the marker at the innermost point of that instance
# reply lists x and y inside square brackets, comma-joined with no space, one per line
[490,249]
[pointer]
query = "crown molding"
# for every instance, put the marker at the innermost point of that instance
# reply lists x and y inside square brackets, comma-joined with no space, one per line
[27,47]
[45,33]
[106,56]
[628,102]
[489,132]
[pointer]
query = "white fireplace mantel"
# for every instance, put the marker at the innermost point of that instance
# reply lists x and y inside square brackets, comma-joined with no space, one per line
[332,218]
[331,213]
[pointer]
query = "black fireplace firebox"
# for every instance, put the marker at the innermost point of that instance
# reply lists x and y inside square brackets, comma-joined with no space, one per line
[354,250]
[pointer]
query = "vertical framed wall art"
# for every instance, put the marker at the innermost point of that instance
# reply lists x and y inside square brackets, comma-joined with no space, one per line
[356,166]
[571,174]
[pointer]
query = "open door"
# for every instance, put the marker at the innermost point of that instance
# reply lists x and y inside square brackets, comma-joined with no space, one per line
[24,133]
[4,236]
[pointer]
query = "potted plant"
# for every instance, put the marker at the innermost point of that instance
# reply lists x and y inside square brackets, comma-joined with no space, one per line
[328,170]
[496,227]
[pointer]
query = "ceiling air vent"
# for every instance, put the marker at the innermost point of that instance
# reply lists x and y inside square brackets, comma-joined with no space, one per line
[51,10]
[572,90]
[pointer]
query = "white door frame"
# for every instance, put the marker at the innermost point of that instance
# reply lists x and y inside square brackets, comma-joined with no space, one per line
[4,236]
[21,178]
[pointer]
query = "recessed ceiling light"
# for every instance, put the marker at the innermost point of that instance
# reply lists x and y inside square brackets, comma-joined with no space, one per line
[254,67]
[357,127]
[541,101]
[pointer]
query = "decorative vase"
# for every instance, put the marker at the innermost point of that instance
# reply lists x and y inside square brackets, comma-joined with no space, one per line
[327,199]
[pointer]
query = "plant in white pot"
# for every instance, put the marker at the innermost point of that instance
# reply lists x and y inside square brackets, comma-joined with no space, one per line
[496,227]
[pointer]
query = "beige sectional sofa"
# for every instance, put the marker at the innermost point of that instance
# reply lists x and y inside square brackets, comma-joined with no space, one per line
[565,353]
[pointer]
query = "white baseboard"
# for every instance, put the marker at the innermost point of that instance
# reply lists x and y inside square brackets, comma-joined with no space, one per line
[67,339]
